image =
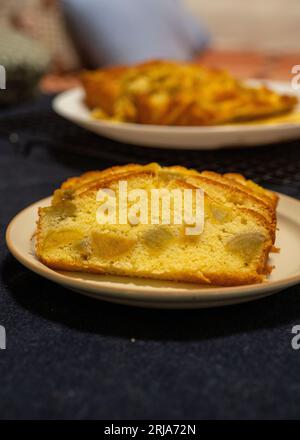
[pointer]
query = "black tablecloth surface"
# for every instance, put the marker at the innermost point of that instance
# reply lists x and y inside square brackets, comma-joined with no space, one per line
[69,356]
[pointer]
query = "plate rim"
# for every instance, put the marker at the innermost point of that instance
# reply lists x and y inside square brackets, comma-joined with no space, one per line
[148,293]
[78,92]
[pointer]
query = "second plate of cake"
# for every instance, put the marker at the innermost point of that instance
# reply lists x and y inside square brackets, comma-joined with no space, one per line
[70,105]
[170,104]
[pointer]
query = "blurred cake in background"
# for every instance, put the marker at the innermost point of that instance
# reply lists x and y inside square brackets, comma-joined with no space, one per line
[183,94]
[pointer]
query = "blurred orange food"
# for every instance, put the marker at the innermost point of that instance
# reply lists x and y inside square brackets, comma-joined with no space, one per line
[172,93]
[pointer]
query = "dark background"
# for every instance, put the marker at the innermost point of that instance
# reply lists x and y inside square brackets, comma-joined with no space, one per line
[69,356]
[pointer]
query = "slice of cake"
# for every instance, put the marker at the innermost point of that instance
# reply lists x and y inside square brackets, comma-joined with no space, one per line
[162,92]
[229,246]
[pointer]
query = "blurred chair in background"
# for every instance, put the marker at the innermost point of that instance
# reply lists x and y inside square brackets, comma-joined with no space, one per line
[111,32]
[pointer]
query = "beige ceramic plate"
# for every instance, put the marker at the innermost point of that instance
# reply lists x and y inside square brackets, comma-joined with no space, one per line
[158,294]
[71,106]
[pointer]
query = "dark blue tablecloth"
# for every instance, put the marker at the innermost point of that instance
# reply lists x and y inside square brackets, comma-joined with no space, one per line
[69,356]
